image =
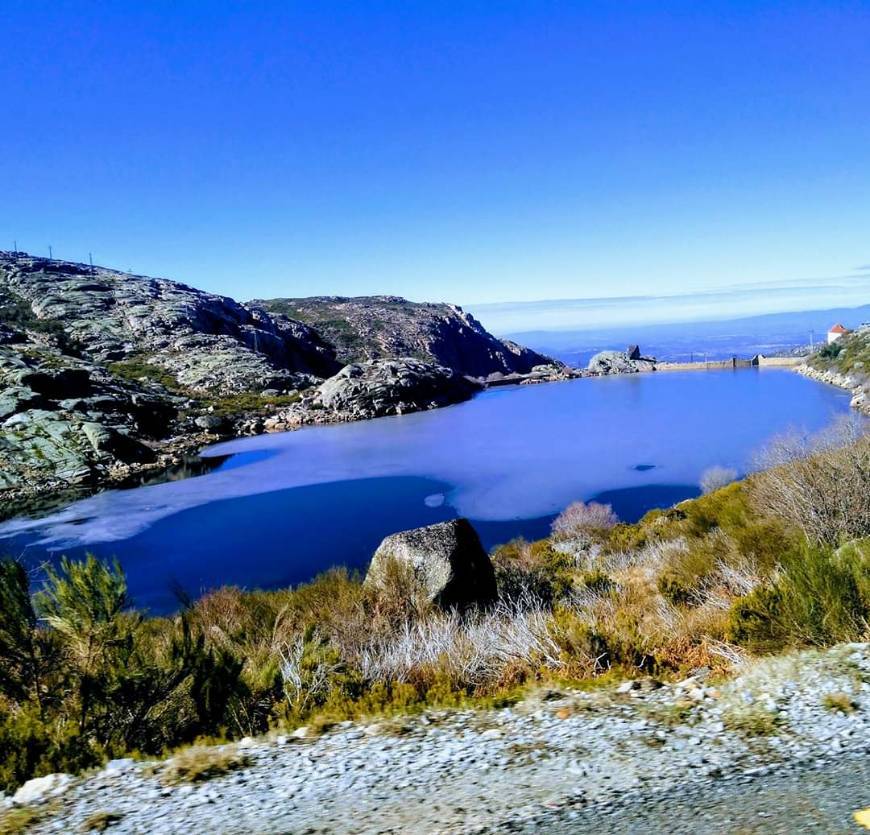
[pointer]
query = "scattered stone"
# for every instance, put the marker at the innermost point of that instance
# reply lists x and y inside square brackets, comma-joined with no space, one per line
[41,788]
[495,771]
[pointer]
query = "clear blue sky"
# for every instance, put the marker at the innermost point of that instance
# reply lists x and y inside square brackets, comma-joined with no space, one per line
[473,152]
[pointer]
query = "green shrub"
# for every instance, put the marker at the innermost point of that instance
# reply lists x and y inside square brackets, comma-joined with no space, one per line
[533,568]
[137,369]
[32,745]
[815,599]
[685,571]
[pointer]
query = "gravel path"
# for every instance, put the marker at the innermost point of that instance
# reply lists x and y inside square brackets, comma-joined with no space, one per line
[817,798]
[640,757]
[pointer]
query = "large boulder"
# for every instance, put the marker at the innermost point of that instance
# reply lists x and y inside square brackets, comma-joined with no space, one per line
[620,362]
[378,388]
[447,560]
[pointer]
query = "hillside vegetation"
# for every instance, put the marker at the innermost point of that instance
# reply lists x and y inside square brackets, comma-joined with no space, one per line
[848,355]
[779,561]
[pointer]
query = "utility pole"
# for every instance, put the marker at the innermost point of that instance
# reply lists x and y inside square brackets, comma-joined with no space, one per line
[91,259]
[50,253]
[15,246]
[812,341]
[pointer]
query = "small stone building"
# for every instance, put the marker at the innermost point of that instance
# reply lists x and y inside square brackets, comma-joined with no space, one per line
[835,333]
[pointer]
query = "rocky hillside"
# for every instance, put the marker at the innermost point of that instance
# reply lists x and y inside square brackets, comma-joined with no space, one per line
[104,373]
[378,327]
[845,363]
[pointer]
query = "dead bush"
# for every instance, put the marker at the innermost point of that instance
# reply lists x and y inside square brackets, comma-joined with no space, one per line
[821,485]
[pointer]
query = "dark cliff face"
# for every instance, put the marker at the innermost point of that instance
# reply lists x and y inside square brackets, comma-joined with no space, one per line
[384,327]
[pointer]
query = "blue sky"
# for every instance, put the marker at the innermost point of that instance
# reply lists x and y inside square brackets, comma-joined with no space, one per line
[473,152]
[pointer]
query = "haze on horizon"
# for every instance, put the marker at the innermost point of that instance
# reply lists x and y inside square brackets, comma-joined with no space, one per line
[485,155]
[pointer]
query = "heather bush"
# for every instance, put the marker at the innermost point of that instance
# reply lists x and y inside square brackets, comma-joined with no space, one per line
[816,598]
[716,478]
[585,523]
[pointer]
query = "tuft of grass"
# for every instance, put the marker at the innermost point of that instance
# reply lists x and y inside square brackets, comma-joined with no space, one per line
[840,702]
[16,821]
[752,721]
[136,369]
[101,821]
[201,763]
[672,715]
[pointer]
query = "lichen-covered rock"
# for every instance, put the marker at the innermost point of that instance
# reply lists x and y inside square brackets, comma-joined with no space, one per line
[447,560]
[379,388]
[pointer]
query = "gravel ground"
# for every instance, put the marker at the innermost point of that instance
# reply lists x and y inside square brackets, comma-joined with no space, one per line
[641,757]
[817,798]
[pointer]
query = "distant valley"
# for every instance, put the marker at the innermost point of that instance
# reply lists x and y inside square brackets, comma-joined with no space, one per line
[770,334]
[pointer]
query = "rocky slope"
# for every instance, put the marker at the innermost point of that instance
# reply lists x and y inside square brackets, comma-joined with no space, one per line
[378,327]
[104,373]
[564,757]
[845,364]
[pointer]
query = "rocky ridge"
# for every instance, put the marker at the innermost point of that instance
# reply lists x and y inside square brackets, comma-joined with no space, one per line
[580,755]
[105,374]
[376,388]
[379,327]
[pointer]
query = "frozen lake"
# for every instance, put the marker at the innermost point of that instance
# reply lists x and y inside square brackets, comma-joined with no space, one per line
[280,508]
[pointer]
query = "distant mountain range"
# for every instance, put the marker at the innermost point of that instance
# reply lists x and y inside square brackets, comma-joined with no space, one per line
[772,333]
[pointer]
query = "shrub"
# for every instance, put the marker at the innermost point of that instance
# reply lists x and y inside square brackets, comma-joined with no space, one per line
[831,350]
[584,522]
[815,599]
[532,569]
[92,679]
[716,478]
[820,485]
[686,570]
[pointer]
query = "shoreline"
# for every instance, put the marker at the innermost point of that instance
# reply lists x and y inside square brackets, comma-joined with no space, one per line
[183,450]
[860,400]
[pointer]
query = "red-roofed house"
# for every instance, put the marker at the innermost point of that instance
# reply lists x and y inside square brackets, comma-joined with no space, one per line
[835,333]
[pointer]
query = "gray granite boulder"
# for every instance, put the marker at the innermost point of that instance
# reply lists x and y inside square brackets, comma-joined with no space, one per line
[447,560]
[384,387]
[619,362]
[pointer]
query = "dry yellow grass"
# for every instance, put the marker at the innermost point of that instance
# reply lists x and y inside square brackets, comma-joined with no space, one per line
[200,763]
